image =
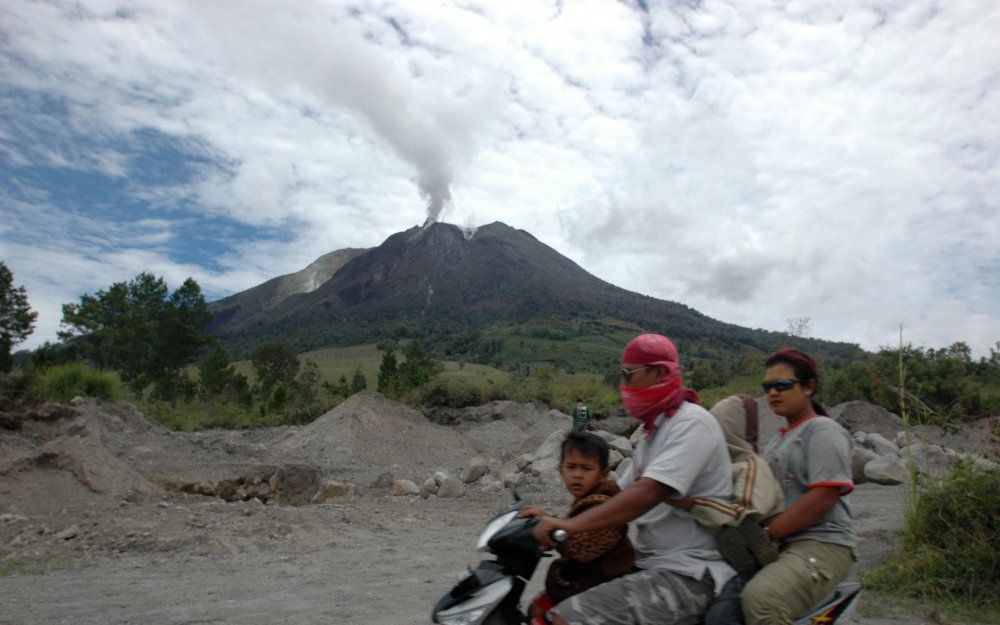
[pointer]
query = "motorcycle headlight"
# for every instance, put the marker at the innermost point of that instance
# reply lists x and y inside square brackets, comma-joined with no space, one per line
[475,607]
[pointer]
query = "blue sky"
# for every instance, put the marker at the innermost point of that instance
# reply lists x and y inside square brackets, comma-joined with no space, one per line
[756,160]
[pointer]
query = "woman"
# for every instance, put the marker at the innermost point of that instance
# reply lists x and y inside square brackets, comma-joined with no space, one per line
[811,458]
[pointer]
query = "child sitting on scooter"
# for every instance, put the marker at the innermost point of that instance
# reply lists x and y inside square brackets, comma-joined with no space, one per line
[588,558]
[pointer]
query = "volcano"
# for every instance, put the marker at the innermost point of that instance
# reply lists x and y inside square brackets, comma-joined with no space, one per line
[443,284]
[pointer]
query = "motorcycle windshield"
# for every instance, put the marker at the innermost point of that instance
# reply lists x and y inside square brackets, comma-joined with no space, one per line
[494,526]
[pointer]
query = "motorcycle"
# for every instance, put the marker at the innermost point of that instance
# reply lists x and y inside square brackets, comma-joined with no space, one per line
[491,593]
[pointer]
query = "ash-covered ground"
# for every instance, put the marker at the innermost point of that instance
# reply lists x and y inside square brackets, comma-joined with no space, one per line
[106,518]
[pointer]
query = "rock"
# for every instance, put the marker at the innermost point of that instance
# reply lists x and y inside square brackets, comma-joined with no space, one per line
[451,488]
[69,533]
[404,488]
[477,469]
[886,470]
[860,458]
[333,488]
[637,435]
[494,466]
[860,415]
[428,488]
[929,460]
[615,458]
[493,486]
[547,456]
[880,444]
[523,461]
[77,400]
[619,443]
[512,478]
[860,437]
[383,481]
[440,477]
[623,466]
[622,426]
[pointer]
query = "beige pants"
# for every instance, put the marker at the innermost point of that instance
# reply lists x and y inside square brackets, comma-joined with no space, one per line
[805,573]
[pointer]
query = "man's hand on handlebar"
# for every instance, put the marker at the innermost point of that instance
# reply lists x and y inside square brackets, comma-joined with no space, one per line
[543,531]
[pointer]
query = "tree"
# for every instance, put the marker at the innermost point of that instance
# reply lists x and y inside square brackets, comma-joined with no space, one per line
[418,368]
[274,363]
[358,382]
[798,326]
[387,372]
[182,330]
[17,320]
[141,330]
[217,376]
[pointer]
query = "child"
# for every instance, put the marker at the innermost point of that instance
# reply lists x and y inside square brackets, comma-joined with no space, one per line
[588,558]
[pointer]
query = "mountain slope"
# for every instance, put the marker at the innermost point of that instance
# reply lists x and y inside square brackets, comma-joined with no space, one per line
[443,284]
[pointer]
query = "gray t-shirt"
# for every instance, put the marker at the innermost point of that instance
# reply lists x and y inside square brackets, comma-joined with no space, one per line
[817,452]
[687,453]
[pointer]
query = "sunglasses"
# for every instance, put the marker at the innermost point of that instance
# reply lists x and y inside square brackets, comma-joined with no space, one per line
[780,385]
[628,373]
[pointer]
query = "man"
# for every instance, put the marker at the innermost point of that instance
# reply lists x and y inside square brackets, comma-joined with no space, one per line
[581,416]
[683,453]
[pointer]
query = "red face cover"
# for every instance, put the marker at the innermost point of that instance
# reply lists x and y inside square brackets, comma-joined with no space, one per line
[646,404]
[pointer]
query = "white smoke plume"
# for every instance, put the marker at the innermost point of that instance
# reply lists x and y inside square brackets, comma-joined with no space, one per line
[300,45]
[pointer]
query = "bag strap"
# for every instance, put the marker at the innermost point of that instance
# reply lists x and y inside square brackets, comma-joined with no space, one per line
[750,407]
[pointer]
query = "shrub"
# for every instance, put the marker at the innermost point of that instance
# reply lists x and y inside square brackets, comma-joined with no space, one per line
[948,549]
[19,389]
[64,382]
[453,392]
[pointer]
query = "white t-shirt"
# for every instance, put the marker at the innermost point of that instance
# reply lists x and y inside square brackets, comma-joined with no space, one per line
[687,453]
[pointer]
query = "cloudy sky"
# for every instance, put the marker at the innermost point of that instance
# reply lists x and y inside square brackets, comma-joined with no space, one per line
[756,160]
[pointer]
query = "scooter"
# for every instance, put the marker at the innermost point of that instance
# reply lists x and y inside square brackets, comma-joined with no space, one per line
[490,594]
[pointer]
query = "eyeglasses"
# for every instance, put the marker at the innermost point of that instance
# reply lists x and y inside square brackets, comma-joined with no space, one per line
[628,373]
[780,385]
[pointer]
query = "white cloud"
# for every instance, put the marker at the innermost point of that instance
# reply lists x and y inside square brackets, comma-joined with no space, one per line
[756,161]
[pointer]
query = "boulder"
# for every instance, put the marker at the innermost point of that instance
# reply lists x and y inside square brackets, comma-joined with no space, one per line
[383,481]
[619,443]
[513,479]
[860,415]
[333,488]
[860,458]
[615,458]
[860,437]
[886,470]
[428,488]
[477,469]
[451,488]
[404,488]
[493,485]
[440,477]
[69,533]
[623,466]
[523,461]
[620,425]
[931,460]
[880,444]
[547,456]
[637,435]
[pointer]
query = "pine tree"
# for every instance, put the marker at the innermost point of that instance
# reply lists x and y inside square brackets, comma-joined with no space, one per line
[388,372]
[17,320]
[358,382]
